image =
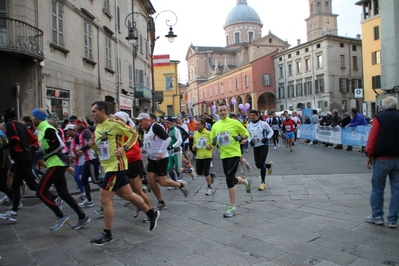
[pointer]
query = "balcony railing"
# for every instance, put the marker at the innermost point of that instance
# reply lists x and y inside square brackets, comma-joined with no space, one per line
[142,92]
[19,37]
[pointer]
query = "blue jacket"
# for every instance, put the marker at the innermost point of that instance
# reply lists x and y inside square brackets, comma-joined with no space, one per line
[358,120]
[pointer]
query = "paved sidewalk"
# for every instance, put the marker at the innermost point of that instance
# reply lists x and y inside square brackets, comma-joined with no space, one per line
[298,220]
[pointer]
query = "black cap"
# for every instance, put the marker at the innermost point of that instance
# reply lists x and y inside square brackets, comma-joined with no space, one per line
[8,114]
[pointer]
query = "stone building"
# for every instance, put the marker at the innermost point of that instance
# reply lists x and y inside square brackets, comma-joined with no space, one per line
[380,51]
[64,55]
[325,72]
[243,70]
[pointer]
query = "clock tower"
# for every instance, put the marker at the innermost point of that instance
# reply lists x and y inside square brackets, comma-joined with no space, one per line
[321,20]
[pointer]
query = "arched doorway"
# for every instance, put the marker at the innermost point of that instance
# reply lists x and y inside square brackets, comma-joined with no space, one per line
[267,102]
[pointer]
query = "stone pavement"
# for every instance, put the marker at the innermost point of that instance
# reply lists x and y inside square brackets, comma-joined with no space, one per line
[299,220]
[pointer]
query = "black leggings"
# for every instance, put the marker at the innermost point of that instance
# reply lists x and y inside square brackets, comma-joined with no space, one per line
[260,156]
[23,171]
[3,183]
[56,175]
[90,169]
[275,137]
[202,166]
[230,166]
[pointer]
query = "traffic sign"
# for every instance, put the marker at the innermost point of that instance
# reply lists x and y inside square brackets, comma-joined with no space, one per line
[358,93]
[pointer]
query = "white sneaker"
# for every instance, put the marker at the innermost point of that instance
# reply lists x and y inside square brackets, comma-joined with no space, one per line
[275,148]
[310,143]
[278,145]
[208,191]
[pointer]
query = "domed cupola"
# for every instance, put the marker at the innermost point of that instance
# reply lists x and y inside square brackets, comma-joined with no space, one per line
[243,24]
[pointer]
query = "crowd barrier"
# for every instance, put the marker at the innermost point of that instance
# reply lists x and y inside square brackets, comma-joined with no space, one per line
[355,136]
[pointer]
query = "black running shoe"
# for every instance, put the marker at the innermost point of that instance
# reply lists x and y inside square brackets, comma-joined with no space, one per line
[155,220]
[102,239]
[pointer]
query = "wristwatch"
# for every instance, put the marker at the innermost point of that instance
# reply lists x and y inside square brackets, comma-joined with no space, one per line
[125,148]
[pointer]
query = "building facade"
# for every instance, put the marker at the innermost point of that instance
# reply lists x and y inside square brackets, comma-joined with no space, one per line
[380,51]
[219,74]
[371,43]
[74,53]
[166,82]
[325,72]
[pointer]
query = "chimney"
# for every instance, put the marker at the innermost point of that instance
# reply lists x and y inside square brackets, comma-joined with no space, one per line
[298,41]
[358,36]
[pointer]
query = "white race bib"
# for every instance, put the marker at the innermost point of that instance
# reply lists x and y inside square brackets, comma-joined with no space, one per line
[257,138]
[224,138]
[103,150]
[201,143]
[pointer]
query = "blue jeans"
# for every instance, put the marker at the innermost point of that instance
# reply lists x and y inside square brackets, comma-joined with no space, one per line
[382,169]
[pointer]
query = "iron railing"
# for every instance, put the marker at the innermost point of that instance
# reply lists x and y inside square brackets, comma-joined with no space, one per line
[19,37]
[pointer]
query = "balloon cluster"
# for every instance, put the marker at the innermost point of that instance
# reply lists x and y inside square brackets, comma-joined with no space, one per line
[244,107]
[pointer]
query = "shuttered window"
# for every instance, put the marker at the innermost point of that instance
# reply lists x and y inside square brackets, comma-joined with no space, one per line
[57,23]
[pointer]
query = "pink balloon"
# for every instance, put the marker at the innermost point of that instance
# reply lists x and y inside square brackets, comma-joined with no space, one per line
[233,101]
[247,105]
[241,106]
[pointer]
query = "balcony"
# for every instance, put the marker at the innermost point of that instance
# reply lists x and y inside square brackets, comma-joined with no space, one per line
[142,92]
[21,38]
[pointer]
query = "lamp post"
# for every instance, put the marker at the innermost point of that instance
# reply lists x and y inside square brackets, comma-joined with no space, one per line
[132,38]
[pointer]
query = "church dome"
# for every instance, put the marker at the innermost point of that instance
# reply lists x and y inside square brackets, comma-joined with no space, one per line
[242,13]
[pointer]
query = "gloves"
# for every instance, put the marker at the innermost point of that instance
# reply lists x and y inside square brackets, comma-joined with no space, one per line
[238,138]
[33,148]
[252,143]
[264,140]
[170,148]
[214,140]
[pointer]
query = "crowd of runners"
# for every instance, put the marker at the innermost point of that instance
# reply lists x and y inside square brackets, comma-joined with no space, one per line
[149,152]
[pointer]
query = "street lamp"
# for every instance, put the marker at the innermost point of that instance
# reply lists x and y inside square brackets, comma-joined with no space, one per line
[132,39]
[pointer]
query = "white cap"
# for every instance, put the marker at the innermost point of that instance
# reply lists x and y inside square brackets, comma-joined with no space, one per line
[143,116]
[69,126]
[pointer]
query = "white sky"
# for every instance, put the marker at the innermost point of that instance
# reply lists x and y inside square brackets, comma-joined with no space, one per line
[200,22]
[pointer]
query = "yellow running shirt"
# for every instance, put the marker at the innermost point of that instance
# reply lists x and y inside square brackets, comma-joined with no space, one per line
[201,140]
[225,130]
[109,135]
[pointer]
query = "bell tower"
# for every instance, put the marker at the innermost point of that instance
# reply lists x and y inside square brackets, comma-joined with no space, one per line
[321,20]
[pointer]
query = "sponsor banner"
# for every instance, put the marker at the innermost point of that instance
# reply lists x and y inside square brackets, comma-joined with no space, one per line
[328,134]
[356,136]
[307,131]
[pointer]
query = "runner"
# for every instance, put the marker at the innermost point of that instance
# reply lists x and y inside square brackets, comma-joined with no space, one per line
[19,140]
[136,167]
[260,134]
[174,149]
[156,142]
[289,130]
[91,164]
[111,147]
[275,124]
[202,146]
[228,133]
[51,148]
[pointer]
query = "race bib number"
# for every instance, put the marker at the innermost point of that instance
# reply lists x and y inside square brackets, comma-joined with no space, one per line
[191,133]
[103,150]
[257,138]
[288,128]
[201,143]
[224,138]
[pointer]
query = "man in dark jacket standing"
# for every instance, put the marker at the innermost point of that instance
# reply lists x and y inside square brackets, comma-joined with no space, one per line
[383,151]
